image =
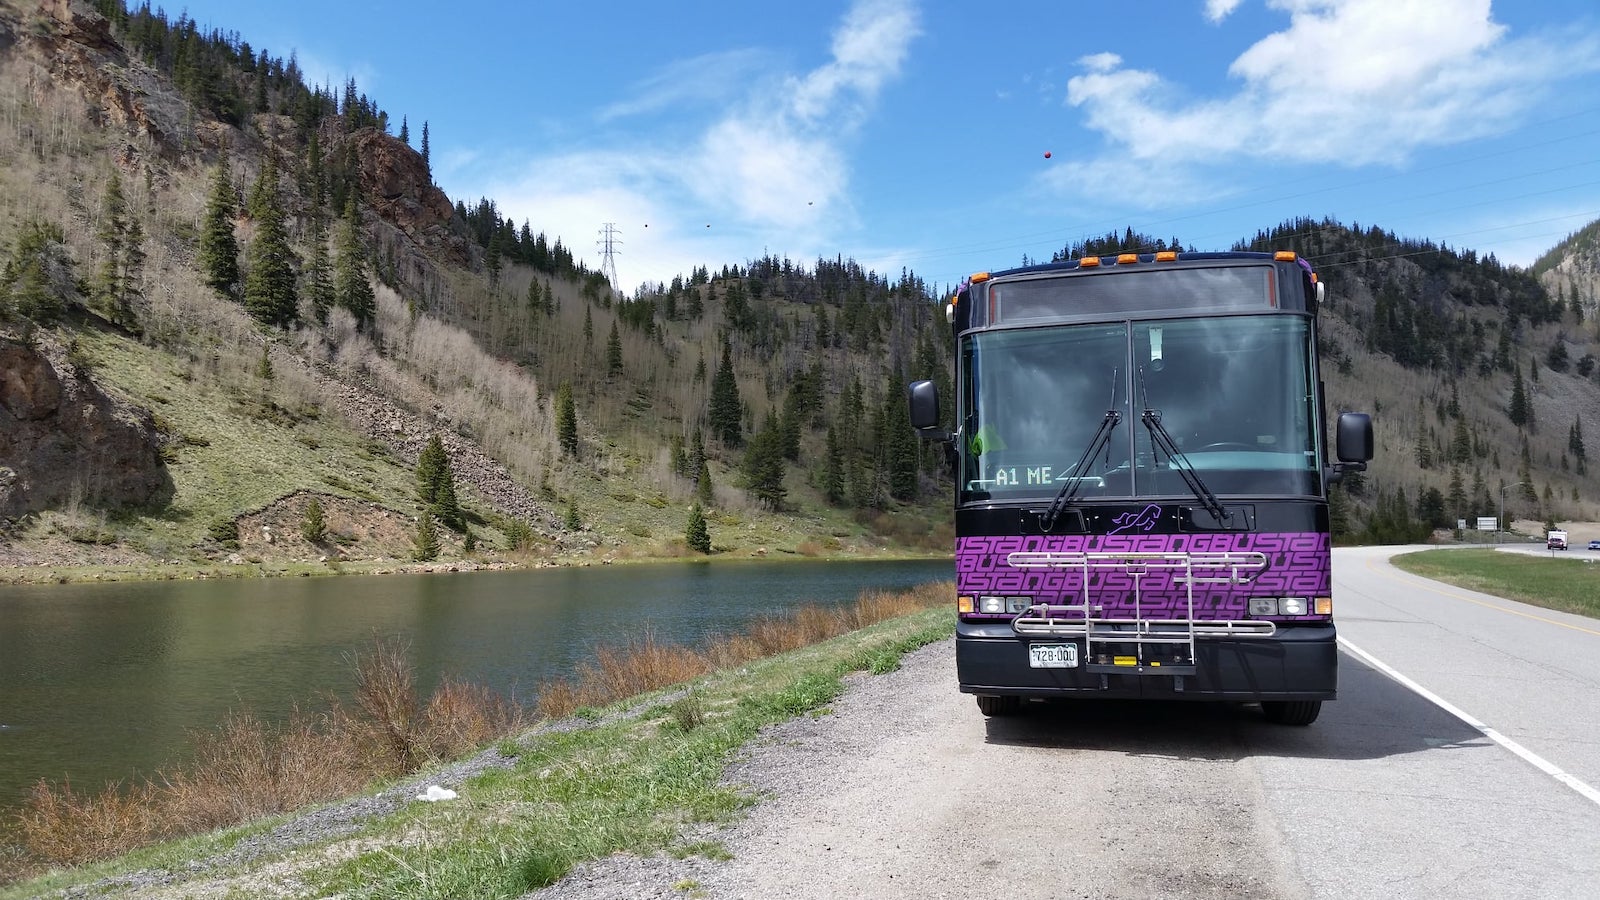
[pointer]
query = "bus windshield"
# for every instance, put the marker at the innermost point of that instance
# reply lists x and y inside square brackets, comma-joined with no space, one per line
[1236,394]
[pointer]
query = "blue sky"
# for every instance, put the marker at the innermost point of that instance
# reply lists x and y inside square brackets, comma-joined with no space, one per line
[913,134]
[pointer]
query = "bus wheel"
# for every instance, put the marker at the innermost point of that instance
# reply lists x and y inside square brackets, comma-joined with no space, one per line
[999,706]
[1291,712]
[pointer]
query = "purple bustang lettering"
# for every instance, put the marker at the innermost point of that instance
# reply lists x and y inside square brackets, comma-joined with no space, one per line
[1297,565]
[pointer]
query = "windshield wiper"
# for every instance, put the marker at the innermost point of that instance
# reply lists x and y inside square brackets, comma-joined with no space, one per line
[1162,439]
[1102,435]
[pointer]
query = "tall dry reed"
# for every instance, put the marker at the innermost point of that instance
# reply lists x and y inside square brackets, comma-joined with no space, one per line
[645,665]
[246,768]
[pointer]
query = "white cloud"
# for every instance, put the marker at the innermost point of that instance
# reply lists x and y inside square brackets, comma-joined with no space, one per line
[766,172]
[1100,62]
[771,172]
[1351,82]
[1217,10]
[708,78]
[868,50]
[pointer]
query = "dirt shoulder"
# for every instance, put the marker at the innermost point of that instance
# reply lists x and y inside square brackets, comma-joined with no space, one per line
[901,788]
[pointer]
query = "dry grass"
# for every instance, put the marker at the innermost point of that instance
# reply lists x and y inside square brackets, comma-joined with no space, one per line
[62,827]
[646,665]
[247,769]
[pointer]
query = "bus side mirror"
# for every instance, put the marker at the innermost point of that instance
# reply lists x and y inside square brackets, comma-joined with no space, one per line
[924,399]
[1354,440]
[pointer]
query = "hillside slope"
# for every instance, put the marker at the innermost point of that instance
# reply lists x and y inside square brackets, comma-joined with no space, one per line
[121,132]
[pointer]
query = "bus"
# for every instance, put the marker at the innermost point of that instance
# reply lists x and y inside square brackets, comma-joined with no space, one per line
[1139,445]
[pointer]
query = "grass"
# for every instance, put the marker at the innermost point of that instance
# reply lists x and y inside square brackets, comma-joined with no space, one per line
[649,762]
[1568,585]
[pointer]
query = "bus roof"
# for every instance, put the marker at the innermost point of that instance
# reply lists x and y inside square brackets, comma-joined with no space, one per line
[1166,256]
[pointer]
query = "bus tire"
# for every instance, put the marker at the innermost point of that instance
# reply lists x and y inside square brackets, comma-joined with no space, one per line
[1291,712]
[999,706]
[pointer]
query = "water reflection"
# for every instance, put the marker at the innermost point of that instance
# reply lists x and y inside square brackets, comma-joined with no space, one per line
[99,682]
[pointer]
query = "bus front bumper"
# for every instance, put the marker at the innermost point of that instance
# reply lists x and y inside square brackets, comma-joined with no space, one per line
[1296,663]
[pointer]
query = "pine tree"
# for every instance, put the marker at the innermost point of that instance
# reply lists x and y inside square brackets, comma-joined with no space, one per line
[697,450]
[588,329]
[1458,494]
[426,165]
[696,535]
[319,288]
[219,248]
[833,474]
[571,520]
[613,353]
[727,411]
[40,251]
[436,487]
[133,256]
[703,491]
[427,539]
[1519,400]
[113,225]
[1461,443]
[1423,447]
[405,132]
[269,294]
[314,528]
[763,463]
[351,289]
[900,445]
[566,420]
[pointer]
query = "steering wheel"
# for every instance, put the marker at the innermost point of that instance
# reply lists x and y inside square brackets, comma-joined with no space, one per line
[1225,445]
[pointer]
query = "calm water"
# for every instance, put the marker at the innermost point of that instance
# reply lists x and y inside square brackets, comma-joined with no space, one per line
[101,682]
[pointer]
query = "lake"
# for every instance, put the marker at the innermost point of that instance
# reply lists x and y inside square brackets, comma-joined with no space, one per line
[101,682]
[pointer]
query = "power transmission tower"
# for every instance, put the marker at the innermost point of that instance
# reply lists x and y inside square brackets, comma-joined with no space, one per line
[608,252]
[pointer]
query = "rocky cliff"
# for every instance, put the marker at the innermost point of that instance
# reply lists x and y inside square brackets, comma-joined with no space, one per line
[63,440]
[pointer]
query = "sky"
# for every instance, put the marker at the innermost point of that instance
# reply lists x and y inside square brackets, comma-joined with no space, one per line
[947,138]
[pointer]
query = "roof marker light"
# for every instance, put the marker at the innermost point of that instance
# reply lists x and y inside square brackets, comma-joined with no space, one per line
[1284,256]
[1127,258]
[1089,262]
[980,277]
[1166,256]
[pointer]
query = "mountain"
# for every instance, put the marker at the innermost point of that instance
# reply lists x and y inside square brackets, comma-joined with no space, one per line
[128,137]
[277,305]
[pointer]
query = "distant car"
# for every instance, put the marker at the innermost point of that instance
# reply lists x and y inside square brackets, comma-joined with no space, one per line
[1594,545]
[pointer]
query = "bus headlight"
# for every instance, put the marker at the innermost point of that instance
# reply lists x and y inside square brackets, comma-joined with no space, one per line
[1280,606]
[998,605]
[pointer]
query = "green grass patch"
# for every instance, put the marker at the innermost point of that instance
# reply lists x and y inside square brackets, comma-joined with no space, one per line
[1568,585]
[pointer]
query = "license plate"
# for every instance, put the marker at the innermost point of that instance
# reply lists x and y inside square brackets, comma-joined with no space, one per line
[1053,656]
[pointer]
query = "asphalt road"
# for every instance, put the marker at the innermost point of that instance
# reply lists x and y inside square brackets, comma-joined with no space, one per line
[902,789]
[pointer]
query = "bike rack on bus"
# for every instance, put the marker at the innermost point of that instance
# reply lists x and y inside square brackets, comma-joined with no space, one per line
[1099,633]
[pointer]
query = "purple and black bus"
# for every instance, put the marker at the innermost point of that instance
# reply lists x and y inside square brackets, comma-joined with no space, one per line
[1142,476]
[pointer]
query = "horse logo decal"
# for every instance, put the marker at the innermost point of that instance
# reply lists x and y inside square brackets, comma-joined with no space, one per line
[1145,519]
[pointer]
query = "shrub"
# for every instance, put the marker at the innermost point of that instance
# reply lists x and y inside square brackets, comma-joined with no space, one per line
[314,528]
[225,532]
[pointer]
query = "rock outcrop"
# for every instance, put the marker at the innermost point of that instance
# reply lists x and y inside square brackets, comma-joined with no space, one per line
[62,439]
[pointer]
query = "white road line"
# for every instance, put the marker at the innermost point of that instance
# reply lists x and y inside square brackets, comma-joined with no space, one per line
[1539,762]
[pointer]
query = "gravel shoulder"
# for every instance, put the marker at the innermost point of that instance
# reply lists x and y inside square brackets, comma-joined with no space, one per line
[902,789]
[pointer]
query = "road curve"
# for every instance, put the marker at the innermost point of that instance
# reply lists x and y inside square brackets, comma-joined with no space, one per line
[902,789]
